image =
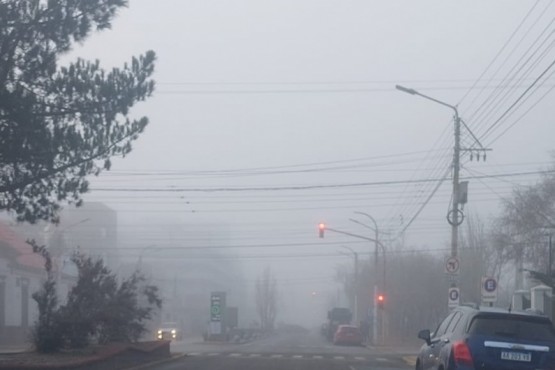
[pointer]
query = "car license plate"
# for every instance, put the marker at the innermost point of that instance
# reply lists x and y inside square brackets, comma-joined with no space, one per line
[516,356]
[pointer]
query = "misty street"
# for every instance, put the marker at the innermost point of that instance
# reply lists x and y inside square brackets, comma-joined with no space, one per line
[277,184]
[286,350]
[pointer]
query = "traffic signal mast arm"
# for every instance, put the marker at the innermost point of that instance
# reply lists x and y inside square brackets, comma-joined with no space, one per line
[355,236]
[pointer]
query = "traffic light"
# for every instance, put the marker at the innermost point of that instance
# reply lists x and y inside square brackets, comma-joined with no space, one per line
[381,300]
[321,229]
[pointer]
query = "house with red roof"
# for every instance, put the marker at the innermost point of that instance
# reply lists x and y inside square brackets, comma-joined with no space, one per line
[21,274]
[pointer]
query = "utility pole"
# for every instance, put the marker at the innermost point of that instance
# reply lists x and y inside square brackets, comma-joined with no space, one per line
[456,168]
[550,257]
[455,217]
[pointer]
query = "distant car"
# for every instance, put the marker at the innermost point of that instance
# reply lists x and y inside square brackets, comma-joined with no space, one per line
[168,331]
[473,338]
[348,334]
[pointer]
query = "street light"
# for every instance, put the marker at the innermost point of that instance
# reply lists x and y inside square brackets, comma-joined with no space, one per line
[377,244]
[454,214]
[355,290]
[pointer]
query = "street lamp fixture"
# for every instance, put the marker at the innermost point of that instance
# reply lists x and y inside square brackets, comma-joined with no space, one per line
[455,213]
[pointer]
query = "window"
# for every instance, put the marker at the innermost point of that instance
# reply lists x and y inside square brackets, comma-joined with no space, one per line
[443,326]
[513,327]
[454,322]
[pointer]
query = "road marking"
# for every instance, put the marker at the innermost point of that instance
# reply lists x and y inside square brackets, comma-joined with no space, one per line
[351,367]
[234,355]
[194,354]
[276,356]
[213,354]
[338,357]
[381,359]
[318,357]
[360,358]
[254,355]
[298,356]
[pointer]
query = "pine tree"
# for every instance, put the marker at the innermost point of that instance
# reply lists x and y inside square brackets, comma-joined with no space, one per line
[59,124]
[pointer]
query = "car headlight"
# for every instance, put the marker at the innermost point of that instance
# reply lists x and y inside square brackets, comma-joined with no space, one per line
[159,336]
[159,332]
[173,331]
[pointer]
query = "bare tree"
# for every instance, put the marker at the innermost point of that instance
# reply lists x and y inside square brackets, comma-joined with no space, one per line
[266,299]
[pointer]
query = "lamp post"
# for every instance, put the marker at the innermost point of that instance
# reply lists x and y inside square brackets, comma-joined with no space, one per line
[355,290]
[322,228]
[453,217]
[375,291]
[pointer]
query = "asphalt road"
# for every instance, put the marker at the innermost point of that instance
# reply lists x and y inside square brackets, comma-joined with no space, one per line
[291,351]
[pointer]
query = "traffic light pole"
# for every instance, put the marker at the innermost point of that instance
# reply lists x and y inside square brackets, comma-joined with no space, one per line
[322,227]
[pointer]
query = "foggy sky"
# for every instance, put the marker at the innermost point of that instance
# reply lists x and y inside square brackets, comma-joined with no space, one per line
[263,84]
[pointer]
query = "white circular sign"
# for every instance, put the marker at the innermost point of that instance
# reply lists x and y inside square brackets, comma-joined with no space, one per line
[452,265]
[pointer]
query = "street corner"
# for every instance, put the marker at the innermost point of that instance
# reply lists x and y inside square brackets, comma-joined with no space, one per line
[148,365]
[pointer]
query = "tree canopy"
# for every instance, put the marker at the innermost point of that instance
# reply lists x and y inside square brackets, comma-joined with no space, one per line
[59,124]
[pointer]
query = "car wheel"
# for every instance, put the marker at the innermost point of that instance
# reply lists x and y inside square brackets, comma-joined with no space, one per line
[418,365]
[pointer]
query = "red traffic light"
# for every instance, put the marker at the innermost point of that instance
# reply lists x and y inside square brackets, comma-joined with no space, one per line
[321,229]
[381,300]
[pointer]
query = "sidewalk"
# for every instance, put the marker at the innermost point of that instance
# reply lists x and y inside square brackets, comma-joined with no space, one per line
[6,349]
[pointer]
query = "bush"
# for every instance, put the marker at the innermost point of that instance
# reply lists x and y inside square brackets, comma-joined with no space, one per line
[97,309]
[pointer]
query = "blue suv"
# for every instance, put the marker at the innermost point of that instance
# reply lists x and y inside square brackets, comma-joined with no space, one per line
[475,338]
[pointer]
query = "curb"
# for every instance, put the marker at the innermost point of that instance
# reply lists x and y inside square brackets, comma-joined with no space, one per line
[175,357]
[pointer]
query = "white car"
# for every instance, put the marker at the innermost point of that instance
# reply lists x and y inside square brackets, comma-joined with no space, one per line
[168,331]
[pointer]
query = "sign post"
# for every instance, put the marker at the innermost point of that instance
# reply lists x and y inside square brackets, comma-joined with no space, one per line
[217,308]
[452,267]
[489,290]
[454,297]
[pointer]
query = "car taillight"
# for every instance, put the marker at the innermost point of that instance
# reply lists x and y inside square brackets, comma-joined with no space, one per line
[461,354]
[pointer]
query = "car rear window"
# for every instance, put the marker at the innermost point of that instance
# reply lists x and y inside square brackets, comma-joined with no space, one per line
[513,327]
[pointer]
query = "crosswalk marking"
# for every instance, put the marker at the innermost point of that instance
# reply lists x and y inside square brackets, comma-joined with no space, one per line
[381,359]
[296,356]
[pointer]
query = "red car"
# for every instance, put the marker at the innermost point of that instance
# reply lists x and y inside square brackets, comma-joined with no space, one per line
[348,334]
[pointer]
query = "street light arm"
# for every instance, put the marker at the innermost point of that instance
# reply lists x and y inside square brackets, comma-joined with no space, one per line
[370,217]
[355,236]
[350,234]
[414,92]
[362,224]
[350,249]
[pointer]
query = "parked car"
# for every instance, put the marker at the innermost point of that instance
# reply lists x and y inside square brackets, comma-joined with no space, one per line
[168,331]
[347,334]
[472,338]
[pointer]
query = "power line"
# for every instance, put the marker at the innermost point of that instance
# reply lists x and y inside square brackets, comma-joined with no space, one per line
[513,34]
[304,187]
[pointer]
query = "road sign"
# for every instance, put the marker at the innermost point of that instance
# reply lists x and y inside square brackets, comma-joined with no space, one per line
[489,289]
[452,266]
[217,304]
[454,297]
